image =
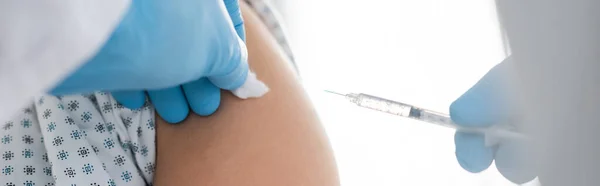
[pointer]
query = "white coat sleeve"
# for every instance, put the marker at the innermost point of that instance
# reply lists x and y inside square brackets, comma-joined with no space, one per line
[41,42]
[555,47]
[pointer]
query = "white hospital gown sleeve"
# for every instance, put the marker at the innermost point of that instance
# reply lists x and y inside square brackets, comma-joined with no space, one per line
[41,42]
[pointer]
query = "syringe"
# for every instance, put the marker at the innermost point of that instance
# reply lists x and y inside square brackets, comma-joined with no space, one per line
[492,134]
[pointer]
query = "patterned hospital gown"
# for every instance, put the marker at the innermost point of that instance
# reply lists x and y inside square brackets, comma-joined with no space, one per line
[80,140]
[90,140]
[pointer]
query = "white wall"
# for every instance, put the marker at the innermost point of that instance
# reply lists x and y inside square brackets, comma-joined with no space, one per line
[424,52]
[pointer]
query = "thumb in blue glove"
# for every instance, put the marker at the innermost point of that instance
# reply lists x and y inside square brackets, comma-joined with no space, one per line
[203,95]
[487,103]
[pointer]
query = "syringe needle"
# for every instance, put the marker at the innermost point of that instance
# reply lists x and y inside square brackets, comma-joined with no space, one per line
[492,134]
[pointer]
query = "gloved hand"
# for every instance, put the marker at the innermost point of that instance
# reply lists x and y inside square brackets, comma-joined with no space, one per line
[202,96]
[160,45]
[487,103]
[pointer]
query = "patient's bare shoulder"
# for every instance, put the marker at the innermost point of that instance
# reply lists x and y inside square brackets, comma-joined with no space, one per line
[271,141]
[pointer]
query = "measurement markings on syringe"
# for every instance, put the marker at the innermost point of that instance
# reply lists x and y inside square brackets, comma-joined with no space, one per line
[383,105]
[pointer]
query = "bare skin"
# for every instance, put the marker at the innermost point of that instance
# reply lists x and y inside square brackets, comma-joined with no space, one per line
[276,140]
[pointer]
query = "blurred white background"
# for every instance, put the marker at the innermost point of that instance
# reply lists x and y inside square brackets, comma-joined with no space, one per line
[425,53]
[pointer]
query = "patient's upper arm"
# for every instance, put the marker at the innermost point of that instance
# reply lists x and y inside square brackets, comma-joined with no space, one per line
[276,140]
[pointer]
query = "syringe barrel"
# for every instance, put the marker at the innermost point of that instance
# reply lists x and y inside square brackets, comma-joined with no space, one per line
[435,117]
[401,109]
[383,105]
[406,110]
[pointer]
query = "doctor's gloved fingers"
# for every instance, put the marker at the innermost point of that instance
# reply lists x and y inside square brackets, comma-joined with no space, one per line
[485,103]
[232,73]
[170,104]
[233,8]
[515,161]
[203,97]
[471,152]
[130,99]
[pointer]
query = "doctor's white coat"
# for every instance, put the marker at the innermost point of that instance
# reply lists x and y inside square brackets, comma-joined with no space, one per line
[43,41]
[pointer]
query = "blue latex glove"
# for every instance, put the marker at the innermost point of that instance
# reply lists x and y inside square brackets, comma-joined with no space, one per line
[160,45]
[487,103]
[202,96]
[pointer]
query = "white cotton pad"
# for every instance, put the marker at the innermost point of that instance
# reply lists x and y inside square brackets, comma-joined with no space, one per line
[252,88]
